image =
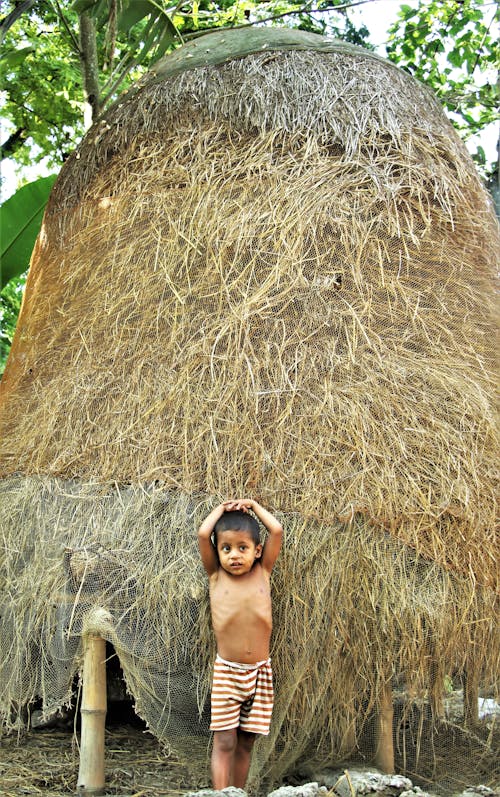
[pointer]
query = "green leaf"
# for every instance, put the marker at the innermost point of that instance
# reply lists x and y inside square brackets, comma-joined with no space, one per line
[133,12]
[21,218]
[406,12]
[169,36]
[13,58]
[459,24]
[480,156]
[149,38]
[80,6]
[196,7]
[10,304]
[455,58]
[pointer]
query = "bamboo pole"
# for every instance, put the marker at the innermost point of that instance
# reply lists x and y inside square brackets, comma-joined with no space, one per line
[349,740]
[93,714]
[384,750]
[471,698]
[436,689]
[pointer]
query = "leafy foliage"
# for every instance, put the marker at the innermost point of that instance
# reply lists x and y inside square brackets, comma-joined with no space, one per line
[10,304]
[451,46]
[40,81]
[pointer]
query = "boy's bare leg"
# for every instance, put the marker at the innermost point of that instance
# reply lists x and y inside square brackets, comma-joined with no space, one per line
[242,758]
[223,752]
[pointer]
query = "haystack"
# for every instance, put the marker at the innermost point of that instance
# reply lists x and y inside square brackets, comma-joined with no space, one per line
[268,271]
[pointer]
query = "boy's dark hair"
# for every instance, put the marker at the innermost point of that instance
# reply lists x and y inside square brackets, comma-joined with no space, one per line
[238,521]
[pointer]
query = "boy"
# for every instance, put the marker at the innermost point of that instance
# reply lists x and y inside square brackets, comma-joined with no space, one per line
[239,570]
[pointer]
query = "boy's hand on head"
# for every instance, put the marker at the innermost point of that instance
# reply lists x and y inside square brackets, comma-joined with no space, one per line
[238,504]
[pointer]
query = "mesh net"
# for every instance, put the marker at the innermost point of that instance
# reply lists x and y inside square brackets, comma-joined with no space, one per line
[246,286]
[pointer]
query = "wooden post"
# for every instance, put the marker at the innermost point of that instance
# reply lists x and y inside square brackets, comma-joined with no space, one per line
[436,689]
[349,741]
[471,698]
[93,715]
[384,750]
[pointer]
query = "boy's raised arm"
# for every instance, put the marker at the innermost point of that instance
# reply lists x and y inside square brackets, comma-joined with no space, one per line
[272,545]
[207,550]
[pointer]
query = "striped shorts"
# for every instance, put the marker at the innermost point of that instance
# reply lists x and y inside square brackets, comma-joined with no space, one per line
[242,696]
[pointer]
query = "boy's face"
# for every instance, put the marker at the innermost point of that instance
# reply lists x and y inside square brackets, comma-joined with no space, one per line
[237,551]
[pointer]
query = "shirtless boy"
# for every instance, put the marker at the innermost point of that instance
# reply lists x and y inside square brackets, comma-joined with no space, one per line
[239,570]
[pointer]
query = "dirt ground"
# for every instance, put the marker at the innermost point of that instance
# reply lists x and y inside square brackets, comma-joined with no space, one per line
[46,762]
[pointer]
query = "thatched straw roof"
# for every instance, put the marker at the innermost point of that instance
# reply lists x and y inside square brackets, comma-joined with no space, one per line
[284,86]
[273,275]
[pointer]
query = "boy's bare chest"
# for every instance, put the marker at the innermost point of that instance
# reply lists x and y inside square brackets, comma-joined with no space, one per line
[249,594]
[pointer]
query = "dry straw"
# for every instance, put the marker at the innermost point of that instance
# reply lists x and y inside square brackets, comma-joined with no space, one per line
[273,276]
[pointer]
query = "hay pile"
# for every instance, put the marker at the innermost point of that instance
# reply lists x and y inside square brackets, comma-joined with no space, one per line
[270,276]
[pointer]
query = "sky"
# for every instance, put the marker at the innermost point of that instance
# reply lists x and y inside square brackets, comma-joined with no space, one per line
[377,16]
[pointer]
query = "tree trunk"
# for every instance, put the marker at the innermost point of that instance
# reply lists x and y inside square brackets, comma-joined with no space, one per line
[90,69]
[384,750]
[93,713]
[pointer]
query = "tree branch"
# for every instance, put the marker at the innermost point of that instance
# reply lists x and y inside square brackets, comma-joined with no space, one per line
[18,10]
[305,9]
[67,28]
[13,143]
[90,66]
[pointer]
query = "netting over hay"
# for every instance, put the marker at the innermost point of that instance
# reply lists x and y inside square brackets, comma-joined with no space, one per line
[271,276]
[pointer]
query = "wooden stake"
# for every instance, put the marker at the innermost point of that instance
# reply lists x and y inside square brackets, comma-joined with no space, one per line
[93,714]
[349,741]
[471,698]
[436,689]
[384,751]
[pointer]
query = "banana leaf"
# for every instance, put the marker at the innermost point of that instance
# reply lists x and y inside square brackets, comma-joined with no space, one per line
[20,221]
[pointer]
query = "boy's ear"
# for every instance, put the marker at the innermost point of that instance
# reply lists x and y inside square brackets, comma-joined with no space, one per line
[258,550]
